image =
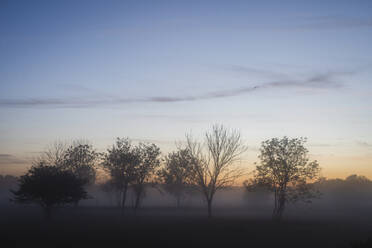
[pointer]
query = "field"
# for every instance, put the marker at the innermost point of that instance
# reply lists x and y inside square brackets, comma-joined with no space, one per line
[170,227]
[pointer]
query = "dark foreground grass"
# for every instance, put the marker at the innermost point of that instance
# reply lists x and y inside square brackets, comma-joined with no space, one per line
[104,227]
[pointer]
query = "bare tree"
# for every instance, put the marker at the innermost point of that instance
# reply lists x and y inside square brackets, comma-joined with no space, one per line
[213,163]
[174,177]
[285,169]
[120,162]
[79,157]
[145,170]
[54,154]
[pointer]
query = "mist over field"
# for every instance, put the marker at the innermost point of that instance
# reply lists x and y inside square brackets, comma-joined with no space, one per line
[341,217]
[348,198]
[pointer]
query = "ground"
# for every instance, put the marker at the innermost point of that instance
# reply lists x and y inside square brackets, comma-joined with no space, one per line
[170,227]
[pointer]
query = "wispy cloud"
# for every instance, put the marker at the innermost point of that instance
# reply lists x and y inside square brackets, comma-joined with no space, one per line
[334,22]
[8,159]
[321,145]
[2,155]
[257,71]
[364,144]
[310,22]
[315,82]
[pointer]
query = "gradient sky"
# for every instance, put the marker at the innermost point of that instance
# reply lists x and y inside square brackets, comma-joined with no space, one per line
[153,70]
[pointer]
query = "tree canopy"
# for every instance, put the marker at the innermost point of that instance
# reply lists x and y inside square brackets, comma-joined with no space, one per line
[80,159]
[120,162]
[49,186]
[286,170]
[175,175]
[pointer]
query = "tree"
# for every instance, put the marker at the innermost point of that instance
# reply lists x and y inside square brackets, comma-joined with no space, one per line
[78,157]
[54,154]
[213,164]
[285,169]
[120,162]
[175,175]
[49,186]
[145,170]
[81,159]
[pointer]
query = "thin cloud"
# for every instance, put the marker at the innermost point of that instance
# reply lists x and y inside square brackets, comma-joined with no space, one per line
[257,71]
[364,144]
[8,159]
[5,155]
[321,145]
[335,22]
[314,82]
[195,118]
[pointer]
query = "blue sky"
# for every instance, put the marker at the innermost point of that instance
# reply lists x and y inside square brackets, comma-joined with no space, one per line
[153,70]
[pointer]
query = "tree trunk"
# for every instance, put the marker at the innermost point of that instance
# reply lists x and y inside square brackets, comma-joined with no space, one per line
[48,213]
[124,199]
[178,201]
[118,198]
[275,203]
[279,206]
[209,201]
[138,199]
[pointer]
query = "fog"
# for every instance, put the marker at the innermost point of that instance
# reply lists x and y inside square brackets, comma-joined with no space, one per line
[340,198]
[340,217]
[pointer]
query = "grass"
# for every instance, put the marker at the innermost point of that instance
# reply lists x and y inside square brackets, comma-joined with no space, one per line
[168,227]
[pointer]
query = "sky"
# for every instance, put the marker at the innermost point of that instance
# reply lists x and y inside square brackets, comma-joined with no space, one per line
[155,70]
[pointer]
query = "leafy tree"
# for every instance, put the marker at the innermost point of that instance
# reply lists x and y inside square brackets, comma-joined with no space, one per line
[145,170]
[81,160]
[285,169]
[49,186]
[175,175]
[121,162]
[213,165]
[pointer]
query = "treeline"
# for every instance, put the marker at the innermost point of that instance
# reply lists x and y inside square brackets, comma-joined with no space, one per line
[351,191]
[62,173]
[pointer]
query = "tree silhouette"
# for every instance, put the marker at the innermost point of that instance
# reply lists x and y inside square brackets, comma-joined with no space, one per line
[120,162]
[54,154]
[49,186]
[145,170]
[80,159]
[175,175]
[285,169]
[213,165]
